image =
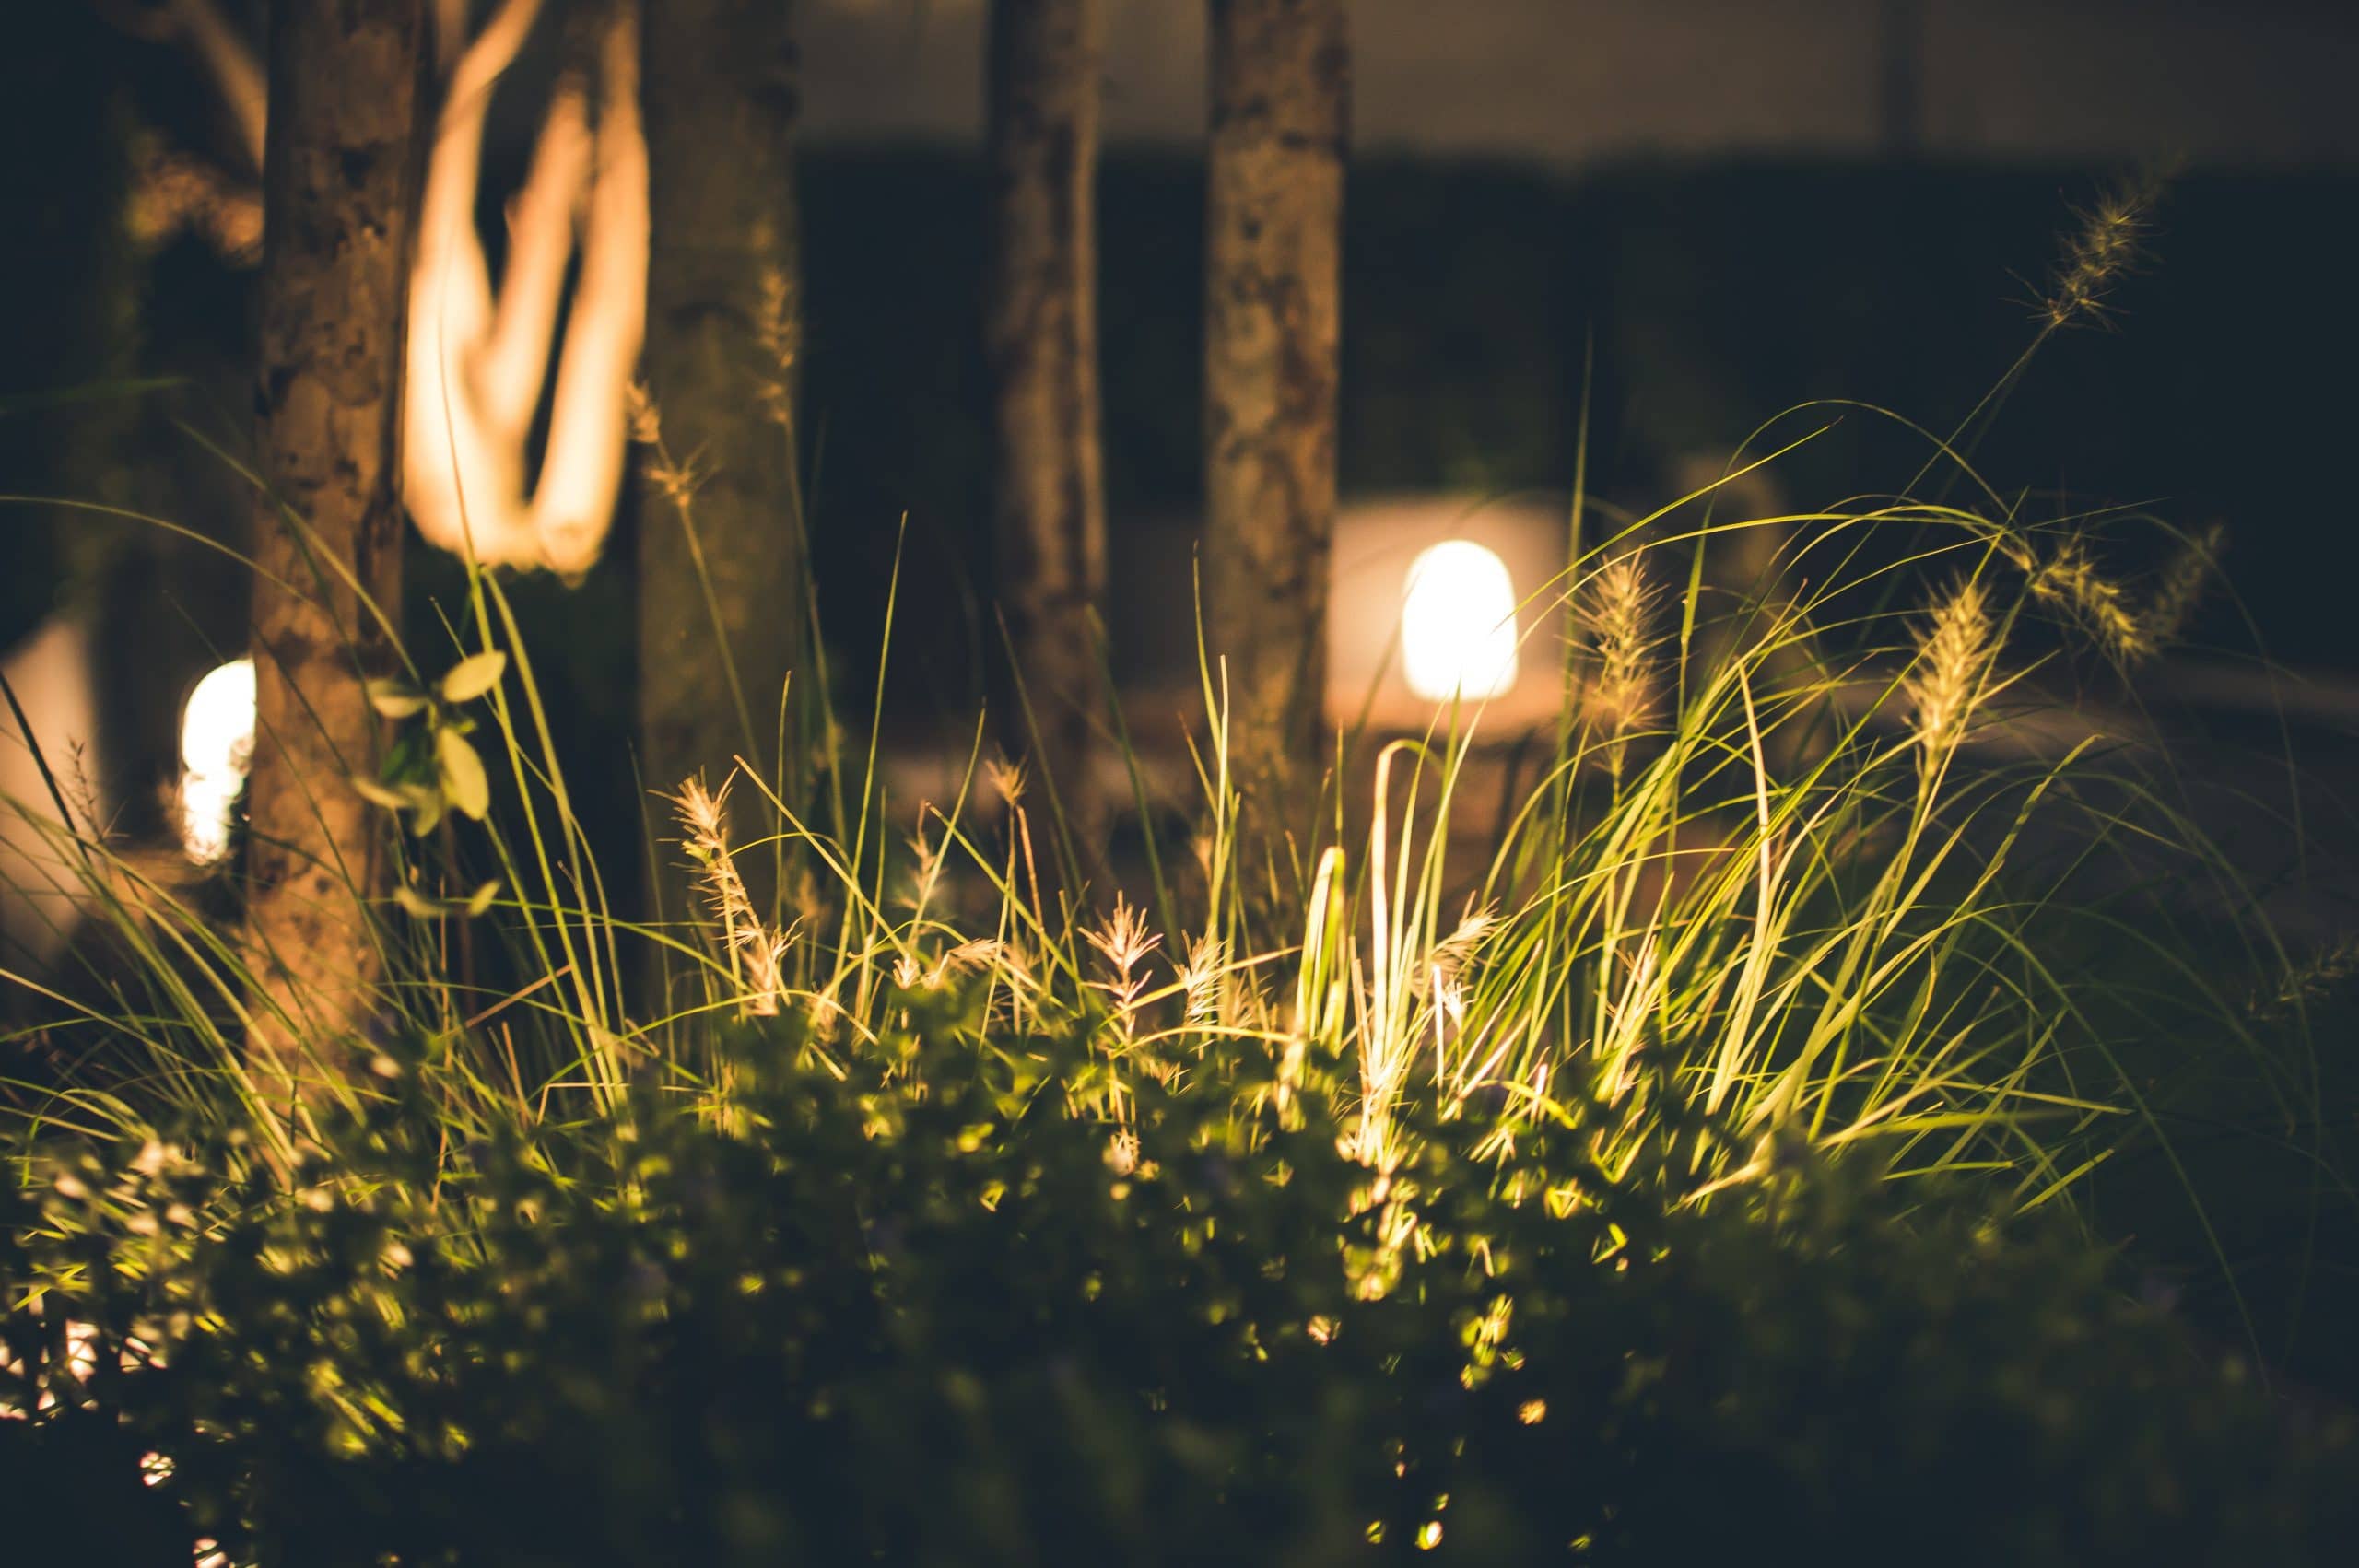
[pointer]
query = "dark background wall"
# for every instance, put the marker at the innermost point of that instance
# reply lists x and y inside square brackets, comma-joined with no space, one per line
[1716,297]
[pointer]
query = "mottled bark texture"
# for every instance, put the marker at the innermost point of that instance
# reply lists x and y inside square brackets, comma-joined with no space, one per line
[722,287]
[1041,324]
[339,191]
[1279,118]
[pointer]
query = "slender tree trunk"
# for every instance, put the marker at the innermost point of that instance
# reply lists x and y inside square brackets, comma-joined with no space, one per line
[339,196]
[1048,502]
[721,619]
[1279,118]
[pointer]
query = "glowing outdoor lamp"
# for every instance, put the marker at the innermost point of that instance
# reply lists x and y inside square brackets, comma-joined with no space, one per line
[216,747]
[1431,596]
[1458,626]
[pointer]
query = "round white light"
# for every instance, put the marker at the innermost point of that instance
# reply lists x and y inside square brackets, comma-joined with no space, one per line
[1458,631]
[216,747]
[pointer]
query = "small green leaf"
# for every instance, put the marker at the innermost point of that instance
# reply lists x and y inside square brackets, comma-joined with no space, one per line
[463,776]
[470,678]
[395,699]
[385,795]
[423,801]
[417,903]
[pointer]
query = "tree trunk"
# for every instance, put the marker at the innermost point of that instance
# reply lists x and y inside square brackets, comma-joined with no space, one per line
[721,584]
[1280,117]
[1049,502]
[339,194]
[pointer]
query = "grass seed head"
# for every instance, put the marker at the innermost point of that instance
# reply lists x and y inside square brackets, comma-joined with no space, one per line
[2070,579]
[645,424]
[1614,623]
[1954,652]
[1123,944]
[2098,254]
[1200,979]
[777,332]
[678,478]
[2180,588]
[1006,778]
[756,957]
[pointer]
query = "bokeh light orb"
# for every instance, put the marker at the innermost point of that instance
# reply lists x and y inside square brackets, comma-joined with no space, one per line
[217,748]
[1457,630]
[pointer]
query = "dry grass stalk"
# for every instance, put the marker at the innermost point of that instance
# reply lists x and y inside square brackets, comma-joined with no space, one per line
[2098,254]
[1200,979]
[926,869]
[2180,588]
[646,421]
[1451,954]
[2127,635]
[778,333]
[1954,652]
[755,956]
[1006,778]
[1124,942]
[1614,619]
[2071,578]
[2314,979]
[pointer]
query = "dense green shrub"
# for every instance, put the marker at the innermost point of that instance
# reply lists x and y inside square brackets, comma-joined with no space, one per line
[925,1314]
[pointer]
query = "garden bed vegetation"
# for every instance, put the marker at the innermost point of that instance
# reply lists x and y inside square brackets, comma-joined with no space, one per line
[1695,1170]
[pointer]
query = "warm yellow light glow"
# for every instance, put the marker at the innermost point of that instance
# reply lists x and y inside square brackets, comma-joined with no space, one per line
[216,747]
[1458,629]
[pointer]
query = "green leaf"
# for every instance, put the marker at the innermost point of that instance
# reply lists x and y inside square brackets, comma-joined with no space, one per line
[417,903]
[426,908]
[463,776]
[385,795]
[423,801]
[470,678]
[395,699]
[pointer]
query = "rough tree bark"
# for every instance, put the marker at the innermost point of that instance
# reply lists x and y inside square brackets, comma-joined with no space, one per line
[1279,118]
[339,191]
[723,287]
[1040,325]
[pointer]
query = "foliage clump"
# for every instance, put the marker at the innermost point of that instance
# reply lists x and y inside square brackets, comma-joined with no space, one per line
[912,1309]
